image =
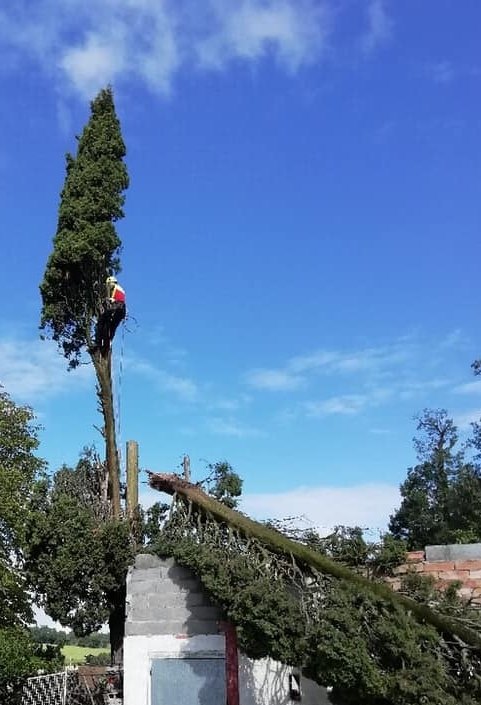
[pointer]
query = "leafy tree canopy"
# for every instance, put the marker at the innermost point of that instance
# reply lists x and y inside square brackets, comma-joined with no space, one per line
[441,496]
[19,466]
[86,244]
[21,657]
[223,483]
[76,558]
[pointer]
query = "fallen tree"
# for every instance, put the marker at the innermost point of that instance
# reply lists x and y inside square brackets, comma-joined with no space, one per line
[295,604]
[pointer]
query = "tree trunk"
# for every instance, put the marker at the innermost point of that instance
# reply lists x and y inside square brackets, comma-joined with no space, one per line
[104,390]
[117,627]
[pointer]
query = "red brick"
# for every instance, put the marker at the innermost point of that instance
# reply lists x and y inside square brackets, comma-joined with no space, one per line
[468,565]
[438,566]
[395,583]
[408,568]
[414,556]
[470,583]
[461,575]
[475,574]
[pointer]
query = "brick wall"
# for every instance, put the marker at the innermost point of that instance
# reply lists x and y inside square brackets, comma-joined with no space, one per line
[466,571]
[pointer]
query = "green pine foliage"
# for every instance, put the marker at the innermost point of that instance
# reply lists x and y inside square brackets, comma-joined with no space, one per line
[86,244]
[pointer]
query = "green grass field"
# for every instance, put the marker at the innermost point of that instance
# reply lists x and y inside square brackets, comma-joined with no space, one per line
[77,654]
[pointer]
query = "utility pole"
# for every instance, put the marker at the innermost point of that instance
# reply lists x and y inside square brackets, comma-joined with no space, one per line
[186,466]
[132,497]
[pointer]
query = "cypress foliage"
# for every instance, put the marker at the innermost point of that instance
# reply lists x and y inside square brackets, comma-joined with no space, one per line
[86,245]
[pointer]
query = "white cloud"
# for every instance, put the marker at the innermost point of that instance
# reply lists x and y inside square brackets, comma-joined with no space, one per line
[469,388]
[295,32]
[273,380]
[30,370]
[362,505]
[231,427]
[379,26]
[323,507]
[292,376]
[93,64]
[464,419]
[441,72]
[183,387]
[89,43]
[345,405]
[455,339]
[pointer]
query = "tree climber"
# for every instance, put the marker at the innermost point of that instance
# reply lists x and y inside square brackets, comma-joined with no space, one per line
[111,316]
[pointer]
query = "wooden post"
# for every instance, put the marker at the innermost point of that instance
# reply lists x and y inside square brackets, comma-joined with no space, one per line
[186,466]
[132,480]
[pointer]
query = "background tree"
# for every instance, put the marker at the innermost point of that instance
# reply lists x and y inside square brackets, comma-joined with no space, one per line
[441,496]
[425,515]
[76,555]
[19,468]
[85,250]
[223,483]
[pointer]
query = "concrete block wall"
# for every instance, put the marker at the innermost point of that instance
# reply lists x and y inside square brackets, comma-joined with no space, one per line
[446,564]
[165,598]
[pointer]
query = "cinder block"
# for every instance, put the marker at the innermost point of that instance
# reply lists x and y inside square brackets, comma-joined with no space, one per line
[454,552]
[143,587]
[177,599]
[142,574]
[190,628]
[147,560]
[178,615]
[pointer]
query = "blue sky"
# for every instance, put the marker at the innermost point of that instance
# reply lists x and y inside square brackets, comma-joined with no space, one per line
[301,241]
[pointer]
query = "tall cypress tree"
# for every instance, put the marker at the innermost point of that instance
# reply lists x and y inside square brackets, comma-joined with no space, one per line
[85,251]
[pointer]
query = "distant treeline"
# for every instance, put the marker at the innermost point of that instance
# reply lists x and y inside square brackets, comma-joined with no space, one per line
[47,635]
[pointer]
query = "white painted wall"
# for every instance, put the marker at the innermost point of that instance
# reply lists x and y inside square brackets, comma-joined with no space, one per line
[263,682]
[266,682]
[139,651]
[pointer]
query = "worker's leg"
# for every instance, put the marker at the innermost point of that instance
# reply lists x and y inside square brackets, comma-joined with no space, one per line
[118,315]
[100,331]
[104,346]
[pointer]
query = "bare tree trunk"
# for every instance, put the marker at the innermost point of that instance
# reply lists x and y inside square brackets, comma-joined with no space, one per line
[117,627]
[104,391]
